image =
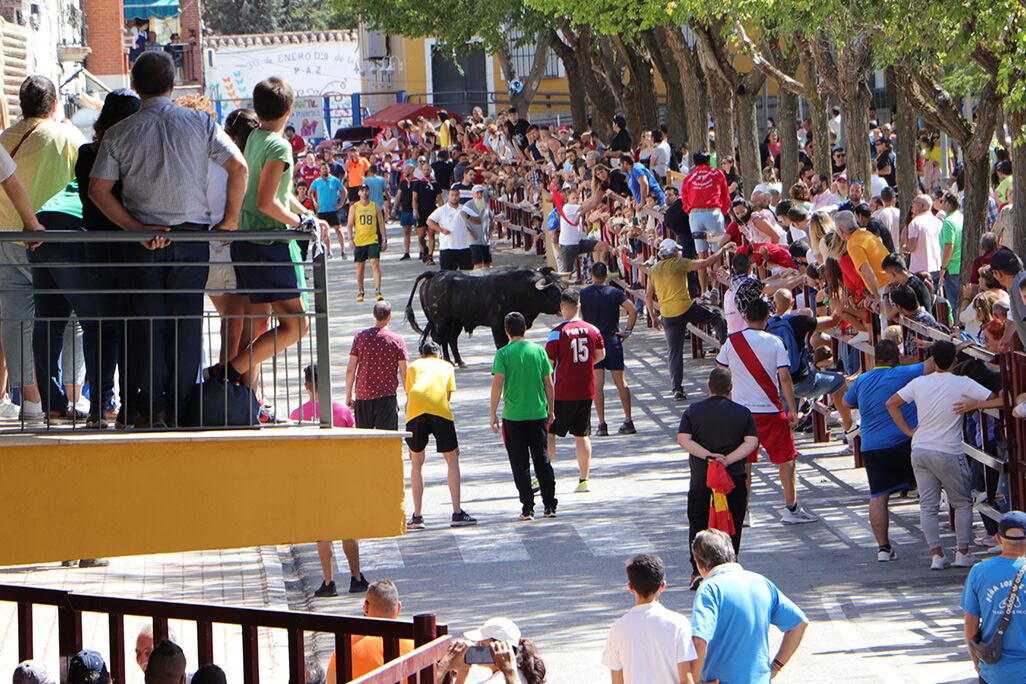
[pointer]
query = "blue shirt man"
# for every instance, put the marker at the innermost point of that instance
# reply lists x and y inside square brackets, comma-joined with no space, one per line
[635,172]
[870,392]
[732,613]
[987,589]
[329,190]
[377,185]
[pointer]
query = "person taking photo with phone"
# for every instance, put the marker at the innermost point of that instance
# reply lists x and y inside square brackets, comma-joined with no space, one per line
[494,653]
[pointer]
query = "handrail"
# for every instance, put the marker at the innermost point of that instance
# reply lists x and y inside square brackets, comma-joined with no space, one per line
[419,663]
[110,236]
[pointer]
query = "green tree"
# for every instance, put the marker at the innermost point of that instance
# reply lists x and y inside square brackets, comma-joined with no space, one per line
[233,17]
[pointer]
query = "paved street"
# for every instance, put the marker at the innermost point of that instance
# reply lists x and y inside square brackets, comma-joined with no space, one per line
[562,580]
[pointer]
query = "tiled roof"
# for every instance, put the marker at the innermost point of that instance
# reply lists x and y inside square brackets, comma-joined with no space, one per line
[294,38]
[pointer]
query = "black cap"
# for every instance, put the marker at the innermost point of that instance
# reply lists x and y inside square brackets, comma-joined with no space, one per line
[87,667]
[1006,261]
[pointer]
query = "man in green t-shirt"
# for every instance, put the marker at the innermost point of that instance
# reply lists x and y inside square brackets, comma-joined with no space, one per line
[522,378]
[951,249]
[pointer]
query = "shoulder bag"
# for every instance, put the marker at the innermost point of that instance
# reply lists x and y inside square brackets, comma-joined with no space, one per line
[990,651]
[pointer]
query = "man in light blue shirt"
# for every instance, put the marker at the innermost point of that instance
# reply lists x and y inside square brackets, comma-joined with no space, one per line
[732,614]
[377,186]
[986,592]
[641,181]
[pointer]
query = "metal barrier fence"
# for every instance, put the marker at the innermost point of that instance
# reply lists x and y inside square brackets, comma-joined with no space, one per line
[144,323]
[428,636]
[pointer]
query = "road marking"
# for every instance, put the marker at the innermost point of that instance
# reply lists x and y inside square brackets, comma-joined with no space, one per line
[375,554]
[853,641]
[490,544]
[612,538]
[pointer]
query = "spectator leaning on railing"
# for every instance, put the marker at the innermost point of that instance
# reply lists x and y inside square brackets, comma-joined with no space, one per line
[45,152]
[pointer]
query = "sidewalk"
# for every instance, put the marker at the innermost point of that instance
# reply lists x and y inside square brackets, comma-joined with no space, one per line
[250,577]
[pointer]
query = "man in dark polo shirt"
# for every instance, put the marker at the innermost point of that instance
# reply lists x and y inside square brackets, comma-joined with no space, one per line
[717,429]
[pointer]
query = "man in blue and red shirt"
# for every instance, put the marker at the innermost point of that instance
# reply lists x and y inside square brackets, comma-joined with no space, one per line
[574,346]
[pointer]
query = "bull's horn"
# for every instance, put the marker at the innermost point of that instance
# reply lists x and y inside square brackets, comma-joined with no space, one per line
[540,284]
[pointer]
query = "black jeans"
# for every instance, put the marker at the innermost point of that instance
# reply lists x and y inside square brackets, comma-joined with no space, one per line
[698,504]
[163,343]
[87,290]
[526,443]
[675,328]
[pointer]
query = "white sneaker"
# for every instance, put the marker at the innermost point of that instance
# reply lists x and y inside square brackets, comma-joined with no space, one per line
[797,516]
[31,411]
[963,560]
[885,556]
[986,540]
[939,563]
[9,410]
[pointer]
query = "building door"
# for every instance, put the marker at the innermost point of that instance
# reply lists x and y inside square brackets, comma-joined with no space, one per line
[457,91]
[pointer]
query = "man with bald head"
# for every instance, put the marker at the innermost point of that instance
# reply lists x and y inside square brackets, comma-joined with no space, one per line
[794,328]
[382,601]
[166,664]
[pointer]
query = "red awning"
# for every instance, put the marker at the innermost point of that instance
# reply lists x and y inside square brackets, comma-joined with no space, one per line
[391,115]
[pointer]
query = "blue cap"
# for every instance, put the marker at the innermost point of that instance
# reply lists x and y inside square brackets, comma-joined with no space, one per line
[1013,525]
[87,667]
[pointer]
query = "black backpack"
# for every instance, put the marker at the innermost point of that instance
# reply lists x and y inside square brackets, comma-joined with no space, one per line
[217,403]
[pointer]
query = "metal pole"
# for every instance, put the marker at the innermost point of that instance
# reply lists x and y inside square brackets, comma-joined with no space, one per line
[357,114]
[320,272]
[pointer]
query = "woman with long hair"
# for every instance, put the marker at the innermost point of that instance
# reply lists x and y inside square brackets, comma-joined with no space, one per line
[513,658]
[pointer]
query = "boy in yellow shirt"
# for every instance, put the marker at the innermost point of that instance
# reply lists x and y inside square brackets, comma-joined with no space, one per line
[430,382]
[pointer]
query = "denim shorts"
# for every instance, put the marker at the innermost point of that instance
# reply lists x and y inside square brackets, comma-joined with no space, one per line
[706,226]
[818,383]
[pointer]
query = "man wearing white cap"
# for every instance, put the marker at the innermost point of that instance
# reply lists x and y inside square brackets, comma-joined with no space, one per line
[32,672]
[479,223]
[668,284]
[988,591]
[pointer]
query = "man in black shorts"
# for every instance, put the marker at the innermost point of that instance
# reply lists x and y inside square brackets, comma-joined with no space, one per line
[430,382]
[574,347]
[600,306]
[425,201]
[377,362]
[450,222]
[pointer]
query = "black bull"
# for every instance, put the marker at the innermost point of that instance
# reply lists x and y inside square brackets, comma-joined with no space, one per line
[456,301]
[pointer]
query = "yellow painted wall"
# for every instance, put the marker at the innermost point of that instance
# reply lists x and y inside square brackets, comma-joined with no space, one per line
[94,496]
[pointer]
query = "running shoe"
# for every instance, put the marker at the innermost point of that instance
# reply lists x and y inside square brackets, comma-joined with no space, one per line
[416,522]
[462,519]
[797,516]
[358,586]
[9,410]
[31,412]
[963,560]
[582,487]
[885,555]
[627,428]
[378,297]
[405,257]
[359,296]
[526,514]
[602,431]
[679,394]
[852,432]
[326,590]
[940,563]
[550,512]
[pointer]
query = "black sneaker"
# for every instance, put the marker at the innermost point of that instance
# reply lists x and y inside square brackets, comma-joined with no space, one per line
[627,428]
[358,586]
[679,394]
[462,519]
[804,423]
[405,257]
[602,431]
[416,522]
[550,512]
[526,514]
[326,590]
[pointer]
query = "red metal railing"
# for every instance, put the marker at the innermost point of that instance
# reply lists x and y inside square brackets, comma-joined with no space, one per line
[70,606]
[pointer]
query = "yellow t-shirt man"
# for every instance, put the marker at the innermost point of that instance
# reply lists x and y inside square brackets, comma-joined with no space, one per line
[428,383]
[670,281]
[365,223]
[866,248]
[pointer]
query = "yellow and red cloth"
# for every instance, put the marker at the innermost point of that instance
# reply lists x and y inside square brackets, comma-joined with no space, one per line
[721,484]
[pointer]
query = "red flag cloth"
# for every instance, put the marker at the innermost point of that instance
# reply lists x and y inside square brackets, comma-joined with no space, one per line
[721,484]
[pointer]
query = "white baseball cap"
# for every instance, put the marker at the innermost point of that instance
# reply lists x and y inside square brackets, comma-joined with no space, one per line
[500,629]
[667,247]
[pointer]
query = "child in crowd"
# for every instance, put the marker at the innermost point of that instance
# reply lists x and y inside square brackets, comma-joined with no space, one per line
[311,410]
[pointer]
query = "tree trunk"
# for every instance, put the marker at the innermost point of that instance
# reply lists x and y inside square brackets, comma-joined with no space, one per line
[787,115]
[531,80]
[723,118]
[639,91]
[662,58]
[974,209]
[1016,120]
[854,106]
[601,97]
[696,101]
[748,141]
[821,136]
[716,61]
[578,91]
[905,125]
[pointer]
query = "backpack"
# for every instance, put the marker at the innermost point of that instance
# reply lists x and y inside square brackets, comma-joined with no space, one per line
[797,352]
[217,403]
